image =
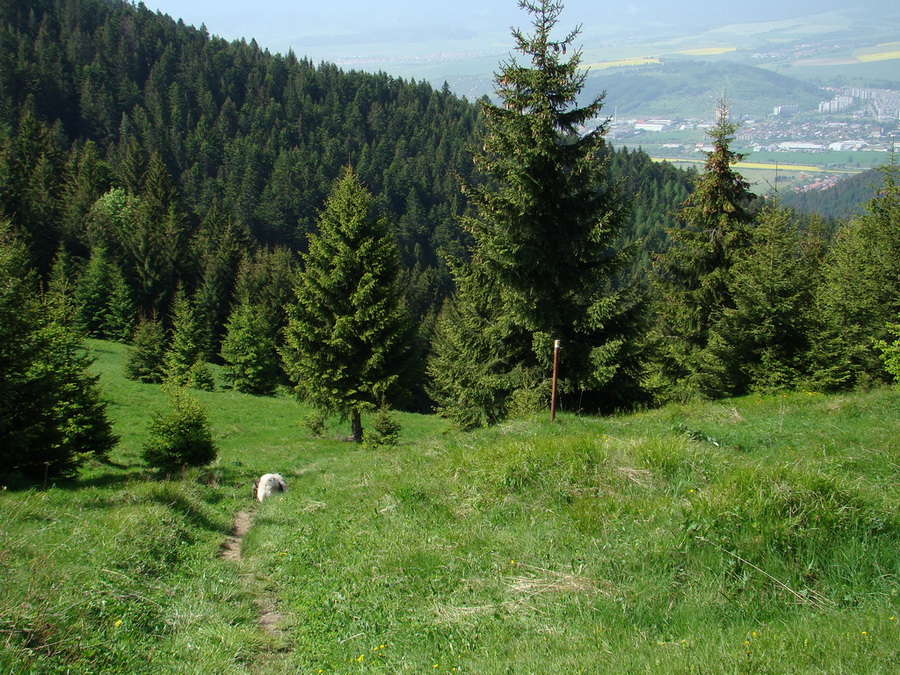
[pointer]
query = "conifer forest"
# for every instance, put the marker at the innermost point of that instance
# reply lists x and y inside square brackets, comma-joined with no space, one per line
[373,243]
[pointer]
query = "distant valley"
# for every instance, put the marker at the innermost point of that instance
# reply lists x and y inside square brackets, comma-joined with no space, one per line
[820,91]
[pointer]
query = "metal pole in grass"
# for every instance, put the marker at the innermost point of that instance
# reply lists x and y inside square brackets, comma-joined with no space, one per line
[555,370]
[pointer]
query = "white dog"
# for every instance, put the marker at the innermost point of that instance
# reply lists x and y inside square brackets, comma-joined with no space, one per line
[267,485]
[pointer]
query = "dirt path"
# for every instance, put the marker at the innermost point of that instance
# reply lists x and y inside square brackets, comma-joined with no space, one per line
[231,547]
[267,605]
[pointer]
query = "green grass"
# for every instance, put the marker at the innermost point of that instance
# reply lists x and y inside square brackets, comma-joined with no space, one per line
[755,535]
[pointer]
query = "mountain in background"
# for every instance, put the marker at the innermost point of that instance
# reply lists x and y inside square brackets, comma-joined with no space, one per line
[403,33]
[826,42]
[691,89]
[239,146]
[654,58]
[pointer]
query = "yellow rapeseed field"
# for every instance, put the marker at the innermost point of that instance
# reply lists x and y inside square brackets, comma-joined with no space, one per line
[771,166]
[886,52]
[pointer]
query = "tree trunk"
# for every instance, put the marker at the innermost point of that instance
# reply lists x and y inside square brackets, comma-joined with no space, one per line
[356,430]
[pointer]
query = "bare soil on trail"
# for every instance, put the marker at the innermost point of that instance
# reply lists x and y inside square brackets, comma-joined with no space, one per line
[267,605]
[231,547]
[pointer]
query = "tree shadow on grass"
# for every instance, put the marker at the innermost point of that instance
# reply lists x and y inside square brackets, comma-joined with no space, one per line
[133,484]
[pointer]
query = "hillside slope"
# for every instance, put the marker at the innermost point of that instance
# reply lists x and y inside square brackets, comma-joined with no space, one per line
[750,535]
[691,89]
[843,200]
[247,137]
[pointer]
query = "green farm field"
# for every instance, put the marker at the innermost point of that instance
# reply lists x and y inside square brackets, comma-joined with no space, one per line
[751,535]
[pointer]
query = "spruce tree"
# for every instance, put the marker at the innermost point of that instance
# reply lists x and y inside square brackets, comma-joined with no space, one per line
[132,167]
[24,394]
[79,413]
[61,285]
[94,293]
[471,379]
[266,278]
[761,343]
[545,227]
[348,338]
[180,438]
[249,350]
[121,312]
[51,416]
[146,357]
[218,248]
[31,184]
[693,277]
[859,294]
[88,177]
[185,359]
[890,349]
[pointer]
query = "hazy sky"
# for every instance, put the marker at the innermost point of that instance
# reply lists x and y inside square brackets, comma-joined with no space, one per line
[343,31]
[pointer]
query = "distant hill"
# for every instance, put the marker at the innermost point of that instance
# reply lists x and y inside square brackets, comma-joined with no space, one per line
[688,89]
[841,201]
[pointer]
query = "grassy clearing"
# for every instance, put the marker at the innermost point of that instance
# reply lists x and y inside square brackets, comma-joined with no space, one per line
[755,535]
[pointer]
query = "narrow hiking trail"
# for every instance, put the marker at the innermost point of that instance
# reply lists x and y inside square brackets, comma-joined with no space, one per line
[231,549]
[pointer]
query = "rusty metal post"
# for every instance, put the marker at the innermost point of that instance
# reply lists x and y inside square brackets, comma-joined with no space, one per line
[555,371]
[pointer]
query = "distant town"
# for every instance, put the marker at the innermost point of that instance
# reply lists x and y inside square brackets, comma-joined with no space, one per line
[852,121]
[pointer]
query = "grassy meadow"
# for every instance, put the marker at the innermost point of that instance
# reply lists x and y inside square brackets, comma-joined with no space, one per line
[753,535]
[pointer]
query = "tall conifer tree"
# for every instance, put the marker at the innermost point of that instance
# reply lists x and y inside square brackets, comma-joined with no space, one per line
[859,295]
[249,350]
[348,338]
[51,416]
[761,343]
[31,184]
[693,277]
[185,360]
[146,360]
[94,294]
[545,225]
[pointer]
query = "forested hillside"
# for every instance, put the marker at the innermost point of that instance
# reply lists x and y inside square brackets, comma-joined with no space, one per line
[839,202]
[246,137]
[249,142]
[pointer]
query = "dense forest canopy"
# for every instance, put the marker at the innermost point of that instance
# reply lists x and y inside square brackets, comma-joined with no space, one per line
[244,135]
[840,201]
